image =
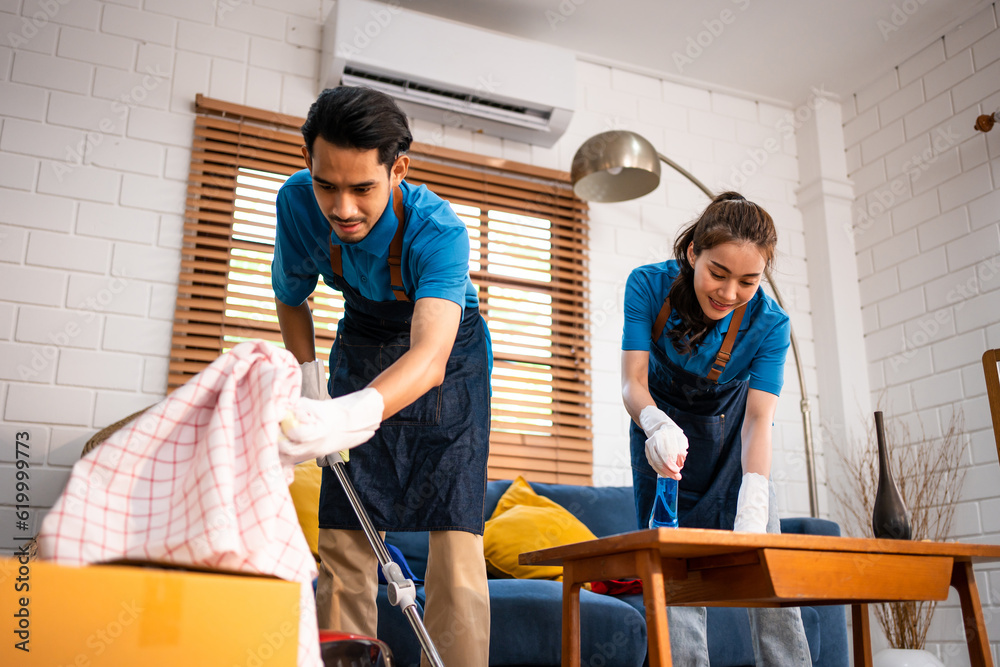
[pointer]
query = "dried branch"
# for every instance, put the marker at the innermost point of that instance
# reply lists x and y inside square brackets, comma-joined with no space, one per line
[929,474]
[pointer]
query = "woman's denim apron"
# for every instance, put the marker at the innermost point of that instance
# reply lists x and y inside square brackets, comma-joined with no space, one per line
[425,469]
[711,416]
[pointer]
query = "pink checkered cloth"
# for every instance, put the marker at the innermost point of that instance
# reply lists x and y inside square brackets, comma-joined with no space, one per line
[196,480]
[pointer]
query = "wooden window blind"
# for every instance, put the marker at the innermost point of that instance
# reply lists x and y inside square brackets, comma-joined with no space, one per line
[528,239]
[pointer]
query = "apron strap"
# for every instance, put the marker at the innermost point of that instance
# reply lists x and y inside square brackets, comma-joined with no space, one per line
[395,259]
[661,319]
[722,358]
[396,250]
[725,352]
[336,263]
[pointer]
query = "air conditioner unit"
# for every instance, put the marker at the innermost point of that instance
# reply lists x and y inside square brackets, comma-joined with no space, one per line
[450,73]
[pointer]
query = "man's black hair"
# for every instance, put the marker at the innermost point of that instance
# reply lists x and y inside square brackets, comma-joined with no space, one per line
[353,117]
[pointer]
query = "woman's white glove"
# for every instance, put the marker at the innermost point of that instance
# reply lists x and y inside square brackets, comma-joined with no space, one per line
[666,444]
[751,506]
[321,429]
[314,380]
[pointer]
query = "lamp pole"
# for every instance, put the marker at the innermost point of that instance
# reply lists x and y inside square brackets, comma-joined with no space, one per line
[619,165]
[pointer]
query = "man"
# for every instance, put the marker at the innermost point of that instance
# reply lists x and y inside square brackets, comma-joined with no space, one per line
[412,338]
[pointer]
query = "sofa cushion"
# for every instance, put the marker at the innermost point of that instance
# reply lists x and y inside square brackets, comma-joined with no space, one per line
[524,521]
[606,510]
[526,623]
[528,614]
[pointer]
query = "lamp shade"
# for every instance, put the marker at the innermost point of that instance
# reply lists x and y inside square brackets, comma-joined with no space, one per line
[615,166]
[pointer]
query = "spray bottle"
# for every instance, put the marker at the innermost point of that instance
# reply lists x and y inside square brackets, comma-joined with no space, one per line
[664,514]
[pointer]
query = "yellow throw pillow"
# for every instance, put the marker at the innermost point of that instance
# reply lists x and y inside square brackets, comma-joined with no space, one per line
[305,496]
[524,521]
[520,493]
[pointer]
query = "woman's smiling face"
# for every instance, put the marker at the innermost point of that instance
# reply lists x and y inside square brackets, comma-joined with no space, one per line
[726,276]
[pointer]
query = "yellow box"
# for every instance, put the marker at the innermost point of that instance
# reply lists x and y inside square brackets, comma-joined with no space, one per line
[128,615]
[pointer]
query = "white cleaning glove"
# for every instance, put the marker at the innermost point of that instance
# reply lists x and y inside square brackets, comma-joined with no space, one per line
[666,444]
[751,506]
[314,380]
[321,429]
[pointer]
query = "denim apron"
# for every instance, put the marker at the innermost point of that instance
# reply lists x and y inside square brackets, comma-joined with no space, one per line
[425,468]
[711,416]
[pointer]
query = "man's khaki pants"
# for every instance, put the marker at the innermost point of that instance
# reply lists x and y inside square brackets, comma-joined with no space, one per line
[457,613]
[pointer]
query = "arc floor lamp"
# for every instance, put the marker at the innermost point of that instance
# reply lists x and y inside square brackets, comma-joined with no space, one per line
[620,165]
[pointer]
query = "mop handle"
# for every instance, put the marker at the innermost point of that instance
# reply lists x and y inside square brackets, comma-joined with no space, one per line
[385,559]
[381,552]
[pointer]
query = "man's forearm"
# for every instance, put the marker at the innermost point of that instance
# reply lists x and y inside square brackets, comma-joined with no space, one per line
[297,330]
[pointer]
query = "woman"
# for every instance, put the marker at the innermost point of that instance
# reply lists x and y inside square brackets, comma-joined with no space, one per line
[703,356]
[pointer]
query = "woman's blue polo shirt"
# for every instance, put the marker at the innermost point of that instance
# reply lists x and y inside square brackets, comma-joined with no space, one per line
[760,349]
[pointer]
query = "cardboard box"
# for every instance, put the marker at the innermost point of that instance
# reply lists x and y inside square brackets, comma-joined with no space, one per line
[130,615]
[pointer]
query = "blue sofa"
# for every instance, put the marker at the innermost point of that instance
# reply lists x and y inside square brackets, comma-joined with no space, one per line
[526,615]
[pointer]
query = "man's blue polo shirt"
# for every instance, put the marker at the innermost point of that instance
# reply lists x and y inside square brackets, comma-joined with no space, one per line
[760,349]
[435,248]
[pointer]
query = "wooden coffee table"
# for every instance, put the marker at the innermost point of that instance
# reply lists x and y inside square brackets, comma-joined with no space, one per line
[685,566]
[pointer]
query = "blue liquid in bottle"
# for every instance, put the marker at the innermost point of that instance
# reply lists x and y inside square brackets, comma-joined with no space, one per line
[664,514]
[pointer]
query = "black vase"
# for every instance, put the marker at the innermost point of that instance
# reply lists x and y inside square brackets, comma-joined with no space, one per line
[889,517]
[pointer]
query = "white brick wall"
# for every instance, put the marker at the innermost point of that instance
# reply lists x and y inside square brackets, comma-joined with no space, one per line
[56,326]
[932,299]
[72,253]
[142,26]
[95,137]
[99,369]
[116,223]
[22,101]
[52,73]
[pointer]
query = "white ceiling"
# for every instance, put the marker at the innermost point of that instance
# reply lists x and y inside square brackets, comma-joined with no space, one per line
[776,49]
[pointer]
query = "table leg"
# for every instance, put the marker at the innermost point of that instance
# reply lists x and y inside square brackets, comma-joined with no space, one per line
[570,618]
[650,569]
[964,581]
[862,635]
